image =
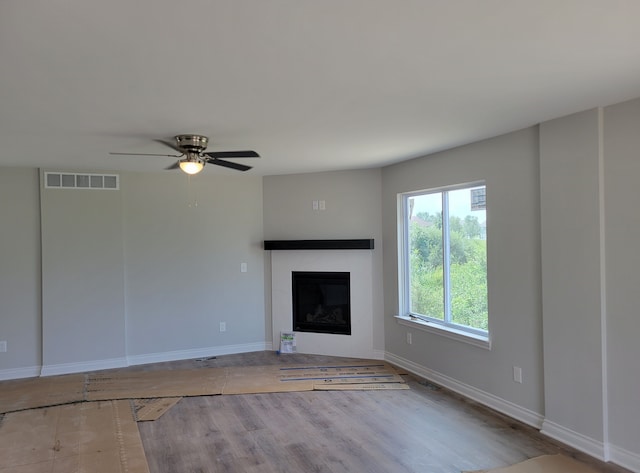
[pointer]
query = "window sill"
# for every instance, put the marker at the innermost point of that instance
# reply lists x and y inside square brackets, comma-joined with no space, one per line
[449,332]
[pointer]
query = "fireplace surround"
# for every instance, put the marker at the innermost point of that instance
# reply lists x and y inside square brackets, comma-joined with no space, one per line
[358,262]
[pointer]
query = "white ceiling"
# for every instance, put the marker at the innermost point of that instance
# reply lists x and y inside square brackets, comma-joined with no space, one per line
[311,85]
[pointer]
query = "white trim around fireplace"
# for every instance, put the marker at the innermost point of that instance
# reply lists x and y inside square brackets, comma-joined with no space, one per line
[359,264]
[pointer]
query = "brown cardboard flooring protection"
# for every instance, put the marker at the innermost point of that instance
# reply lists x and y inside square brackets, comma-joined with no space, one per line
[19,394]
[371,372]
[261,379]
[152,384]
[96,437]
[267,379]
[359,386]
[109,385]
[546,464]
[152,409]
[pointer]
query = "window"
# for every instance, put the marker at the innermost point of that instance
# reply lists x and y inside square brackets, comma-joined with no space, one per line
[444,259]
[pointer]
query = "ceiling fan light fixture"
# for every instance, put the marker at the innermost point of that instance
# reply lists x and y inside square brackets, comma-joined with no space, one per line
[192,158]
[192,165]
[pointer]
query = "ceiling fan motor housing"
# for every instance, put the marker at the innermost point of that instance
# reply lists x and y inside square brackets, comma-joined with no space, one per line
[193,143]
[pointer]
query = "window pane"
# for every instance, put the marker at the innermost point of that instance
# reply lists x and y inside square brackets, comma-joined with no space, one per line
[425,255]
[468,253]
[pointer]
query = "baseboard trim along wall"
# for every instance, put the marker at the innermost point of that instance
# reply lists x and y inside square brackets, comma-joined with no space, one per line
[19,373]
[574,439]
[97,365]
[80,367]
[592,447]
[196,353]
[624,458]
[494,402]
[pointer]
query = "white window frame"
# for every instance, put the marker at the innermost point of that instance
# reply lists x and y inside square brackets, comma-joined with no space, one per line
[477,337]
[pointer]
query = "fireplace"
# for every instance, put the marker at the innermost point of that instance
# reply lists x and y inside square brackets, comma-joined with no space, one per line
[321,302]
[353,257]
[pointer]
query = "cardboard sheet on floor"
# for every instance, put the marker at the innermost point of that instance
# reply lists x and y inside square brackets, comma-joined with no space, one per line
[154,384]
[19,394]
[109,385]
[152,409]
[359,386]
[266,379]
[546,464]
[365,373]
[261,379]
[87,437]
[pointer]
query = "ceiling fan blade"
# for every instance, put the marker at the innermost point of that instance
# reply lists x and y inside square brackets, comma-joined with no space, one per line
[171,145]
[233,154]
[228,164]
[175,165]
[147,154]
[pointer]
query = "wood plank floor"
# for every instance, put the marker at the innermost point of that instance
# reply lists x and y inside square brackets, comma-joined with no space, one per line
[424,429]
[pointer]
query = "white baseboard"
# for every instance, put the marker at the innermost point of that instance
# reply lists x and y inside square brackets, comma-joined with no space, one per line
[624,458]
[196,353]
[595,448]
[82,366]
[19,373]
[574,439]
[97,365]
[494,402]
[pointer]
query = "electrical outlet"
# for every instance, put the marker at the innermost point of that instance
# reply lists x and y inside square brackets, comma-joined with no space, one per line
[315,205]
[517,374]
[322,205]
[3,346]
[243,267]
[409,338]
[223,326]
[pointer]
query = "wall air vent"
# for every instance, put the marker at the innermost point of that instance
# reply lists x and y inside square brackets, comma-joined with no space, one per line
[71,180]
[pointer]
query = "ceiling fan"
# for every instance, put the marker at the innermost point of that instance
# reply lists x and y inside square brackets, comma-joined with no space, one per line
[192,155]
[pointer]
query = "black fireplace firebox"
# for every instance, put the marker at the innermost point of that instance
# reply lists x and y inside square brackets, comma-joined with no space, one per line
[321,302]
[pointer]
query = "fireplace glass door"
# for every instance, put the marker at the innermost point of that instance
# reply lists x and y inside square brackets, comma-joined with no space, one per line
[321,302]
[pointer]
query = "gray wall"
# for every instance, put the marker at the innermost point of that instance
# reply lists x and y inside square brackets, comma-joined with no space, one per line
[184,241]
[571,274]
[82,279]
[622,220]
[93,279]
[509,166]
[352,211]
[20,300]
[589,173]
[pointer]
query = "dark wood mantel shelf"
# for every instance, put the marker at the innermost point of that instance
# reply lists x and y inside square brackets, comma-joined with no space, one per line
[362,244]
